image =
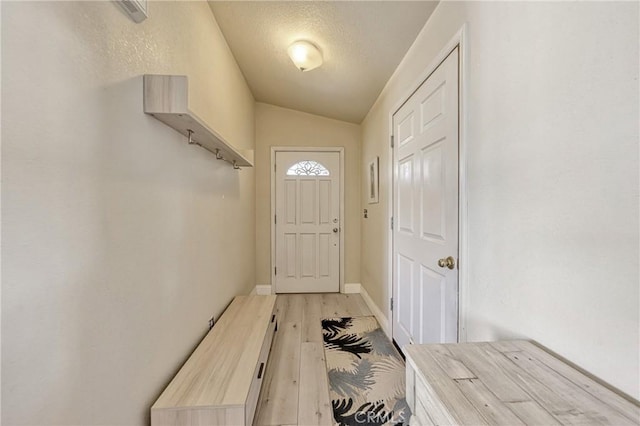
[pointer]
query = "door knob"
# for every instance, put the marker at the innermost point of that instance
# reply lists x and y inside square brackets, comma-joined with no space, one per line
[335,230]
[448,262]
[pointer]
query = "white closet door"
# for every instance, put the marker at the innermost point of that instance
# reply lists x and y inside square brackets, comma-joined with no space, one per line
[425,281]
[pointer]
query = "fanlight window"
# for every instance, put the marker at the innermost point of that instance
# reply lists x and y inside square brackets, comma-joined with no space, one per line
[308,168]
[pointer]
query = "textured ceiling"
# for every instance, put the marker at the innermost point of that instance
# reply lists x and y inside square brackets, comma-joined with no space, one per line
[362,43]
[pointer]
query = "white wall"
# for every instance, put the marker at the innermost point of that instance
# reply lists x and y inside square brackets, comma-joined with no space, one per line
[276,126]
[119,239]
[553,182]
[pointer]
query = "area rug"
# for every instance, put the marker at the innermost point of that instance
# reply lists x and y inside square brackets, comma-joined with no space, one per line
[366,373]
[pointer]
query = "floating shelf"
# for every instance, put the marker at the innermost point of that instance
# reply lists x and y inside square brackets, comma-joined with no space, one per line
[166,99]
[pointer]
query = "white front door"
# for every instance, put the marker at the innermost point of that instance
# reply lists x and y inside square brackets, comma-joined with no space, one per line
[425,236]
[307,222]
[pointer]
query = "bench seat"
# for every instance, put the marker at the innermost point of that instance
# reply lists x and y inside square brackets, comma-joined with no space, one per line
[220,382]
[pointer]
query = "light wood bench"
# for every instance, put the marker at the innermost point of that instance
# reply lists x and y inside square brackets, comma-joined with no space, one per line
[220,383]
[506,383]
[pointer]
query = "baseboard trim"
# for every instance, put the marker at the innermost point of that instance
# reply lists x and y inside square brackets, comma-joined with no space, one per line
[262,290]
[382,319]
[265,289]
[351,288]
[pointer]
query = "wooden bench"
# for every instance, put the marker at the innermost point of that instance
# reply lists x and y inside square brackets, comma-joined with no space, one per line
[506,383]
[220,382]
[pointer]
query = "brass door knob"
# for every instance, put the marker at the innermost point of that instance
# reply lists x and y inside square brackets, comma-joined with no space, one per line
[335,230]
[448,262]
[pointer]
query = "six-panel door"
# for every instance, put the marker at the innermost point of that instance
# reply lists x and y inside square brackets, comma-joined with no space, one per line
[426,211]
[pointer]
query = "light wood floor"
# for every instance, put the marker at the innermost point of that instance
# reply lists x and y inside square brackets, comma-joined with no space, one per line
[295,390]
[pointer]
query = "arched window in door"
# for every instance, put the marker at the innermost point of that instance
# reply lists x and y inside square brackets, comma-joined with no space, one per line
[308,168]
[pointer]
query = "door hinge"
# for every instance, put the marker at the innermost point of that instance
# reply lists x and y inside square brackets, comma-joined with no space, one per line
[391,141]
[275,219]
[275,270]
[274,167]
[391,304]
[392,223]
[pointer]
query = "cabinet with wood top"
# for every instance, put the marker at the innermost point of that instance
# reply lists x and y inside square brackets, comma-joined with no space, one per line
[506,383]
[220,383]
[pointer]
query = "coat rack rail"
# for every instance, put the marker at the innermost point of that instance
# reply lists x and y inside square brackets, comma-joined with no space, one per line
[166,99]
[217,152]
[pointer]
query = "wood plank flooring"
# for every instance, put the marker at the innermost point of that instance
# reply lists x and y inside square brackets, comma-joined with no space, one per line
[295,389]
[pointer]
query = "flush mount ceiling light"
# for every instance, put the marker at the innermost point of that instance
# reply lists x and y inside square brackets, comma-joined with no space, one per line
[305,55]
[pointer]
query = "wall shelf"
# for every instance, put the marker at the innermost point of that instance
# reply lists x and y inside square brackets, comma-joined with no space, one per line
[166,99]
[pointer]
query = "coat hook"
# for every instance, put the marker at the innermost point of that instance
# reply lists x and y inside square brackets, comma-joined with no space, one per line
[235,166]
[219,155]
[190,133]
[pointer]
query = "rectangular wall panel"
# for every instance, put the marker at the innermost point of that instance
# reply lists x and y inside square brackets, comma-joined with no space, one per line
[290,201]
[432,298]
[324,253]
[291,260]
[405,195]
[324,201]
[405,281]
[406,130]
[308,201]
[308,255]
[433,192]
[433,106]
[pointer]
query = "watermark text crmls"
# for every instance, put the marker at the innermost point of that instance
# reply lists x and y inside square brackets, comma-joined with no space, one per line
[378,418]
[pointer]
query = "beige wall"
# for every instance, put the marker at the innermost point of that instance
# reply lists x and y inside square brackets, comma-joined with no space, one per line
[277,126]
[119,239]
[552,138]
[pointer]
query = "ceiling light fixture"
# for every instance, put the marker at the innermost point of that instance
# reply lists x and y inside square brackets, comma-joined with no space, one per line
[305,55]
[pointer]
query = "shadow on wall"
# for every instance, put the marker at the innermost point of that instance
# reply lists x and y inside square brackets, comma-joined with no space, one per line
[119,217]
[144,189]
[490,331]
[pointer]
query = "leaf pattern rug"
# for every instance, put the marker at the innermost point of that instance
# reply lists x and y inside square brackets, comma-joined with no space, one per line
[366,373]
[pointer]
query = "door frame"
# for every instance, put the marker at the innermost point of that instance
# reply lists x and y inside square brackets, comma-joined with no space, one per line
[274,150]
[458,40]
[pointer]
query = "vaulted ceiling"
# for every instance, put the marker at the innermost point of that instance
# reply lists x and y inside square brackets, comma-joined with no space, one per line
[362,43]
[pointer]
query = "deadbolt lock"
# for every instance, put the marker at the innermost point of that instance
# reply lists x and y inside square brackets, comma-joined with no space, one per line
[448,262]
